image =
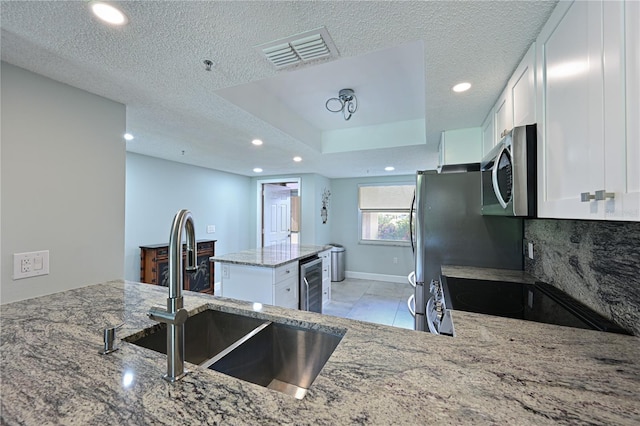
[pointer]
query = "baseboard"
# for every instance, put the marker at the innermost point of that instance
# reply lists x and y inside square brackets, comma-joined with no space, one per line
[376,277]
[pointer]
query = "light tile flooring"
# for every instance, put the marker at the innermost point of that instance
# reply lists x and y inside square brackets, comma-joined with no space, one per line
[373,301]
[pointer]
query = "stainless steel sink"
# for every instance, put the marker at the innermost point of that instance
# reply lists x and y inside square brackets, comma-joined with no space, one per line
[206,334]
[277,356]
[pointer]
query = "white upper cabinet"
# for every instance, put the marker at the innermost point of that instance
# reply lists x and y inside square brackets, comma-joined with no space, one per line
[522,86]
[587,131]
[516,106]
[503,114]
[488,134]
[460,146]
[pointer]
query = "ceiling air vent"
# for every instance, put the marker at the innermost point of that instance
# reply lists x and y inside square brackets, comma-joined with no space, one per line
[309,46]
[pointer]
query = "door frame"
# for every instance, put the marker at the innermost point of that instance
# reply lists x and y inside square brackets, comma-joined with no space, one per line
[260,206]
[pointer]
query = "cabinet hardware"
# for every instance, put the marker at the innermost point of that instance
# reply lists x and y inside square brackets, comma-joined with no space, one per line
[602,195]
[585,197]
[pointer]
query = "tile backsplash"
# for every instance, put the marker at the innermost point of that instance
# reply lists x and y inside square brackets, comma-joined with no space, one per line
[596,262]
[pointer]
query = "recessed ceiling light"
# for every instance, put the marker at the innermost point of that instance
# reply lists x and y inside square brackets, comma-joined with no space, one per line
[257,170]
[389,168]
[297,159]
[128,136]
[461,87]
[256,142]
[108,13]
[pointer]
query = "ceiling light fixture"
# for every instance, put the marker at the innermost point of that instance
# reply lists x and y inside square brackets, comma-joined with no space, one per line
[128,136]
[389,168]
[256,142]
[207,64]
[257,170]
[461,87]
[297,159]
[346,102]
[108,13]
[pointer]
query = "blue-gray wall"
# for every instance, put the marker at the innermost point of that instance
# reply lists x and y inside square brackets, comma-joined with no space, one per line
[156,189]
[62,172]
[363,259]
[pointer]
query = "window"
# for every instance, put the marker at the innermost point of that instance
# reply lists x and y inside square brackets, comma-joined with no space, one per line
[384,213]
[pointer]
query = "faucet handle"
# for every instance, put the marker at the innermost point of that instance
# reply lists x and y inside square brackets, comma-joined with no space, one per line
[109,335]
[192,264]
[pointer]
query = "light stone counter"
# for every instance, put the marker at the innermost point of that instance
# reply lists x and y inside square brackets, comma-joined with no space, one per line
[272,256]
[487,274]
[496,371]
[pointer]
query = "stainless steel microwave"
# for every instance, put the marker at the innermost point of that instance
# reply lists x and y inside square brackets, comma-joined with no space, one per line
[509,175]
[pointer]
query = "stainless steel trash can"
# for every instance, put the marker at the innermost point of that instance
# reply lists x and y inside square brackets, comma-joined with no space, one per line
[337,263]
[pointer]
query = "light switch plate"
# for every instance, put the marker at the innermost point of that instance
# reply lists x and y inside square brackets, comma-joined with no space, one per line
[530,250]
[30,264]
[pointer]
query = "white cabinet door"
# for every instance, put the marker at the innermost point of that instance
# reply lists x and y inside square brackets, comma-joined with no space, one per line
[461,146]
[631,203]
[621,44]
[285,293]
[273,286]
[523,90]
[588,91]
[326,275]
[488,134]
[570,125]
[503,115]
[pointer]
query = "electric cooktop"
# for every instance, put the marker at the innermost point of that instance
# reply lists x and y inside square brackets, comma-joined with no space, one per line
[538,302]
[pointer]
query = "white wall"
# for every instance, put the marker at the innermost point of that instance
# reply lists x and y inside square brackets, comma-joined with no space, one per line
[363,259]
[312,230]
[157,189]
[63,181]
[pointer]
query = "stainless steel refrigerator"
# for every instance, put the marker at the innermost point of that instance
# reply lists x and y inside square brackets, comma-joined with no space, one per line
[450,230]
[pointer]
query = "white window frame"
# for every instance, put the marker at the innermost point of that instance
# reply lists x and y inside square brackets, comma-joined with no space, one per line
[400,243]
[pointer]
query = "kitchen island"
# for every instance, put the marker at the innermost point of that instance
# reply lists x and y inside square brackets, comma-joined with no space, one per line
[270,275]
[496,371]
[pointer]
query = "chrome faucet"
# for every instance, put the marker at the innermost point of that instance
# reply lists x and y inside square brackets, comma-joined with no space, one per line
[175,315]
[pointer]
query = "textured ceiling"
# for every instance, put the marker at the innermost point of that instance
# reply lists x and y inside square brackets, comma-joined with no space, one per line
[154,66]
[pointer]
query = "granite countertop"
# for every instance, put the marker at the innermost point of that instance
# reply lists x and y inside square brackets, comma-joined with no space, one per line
[487,274]
[271,256]
[496,371]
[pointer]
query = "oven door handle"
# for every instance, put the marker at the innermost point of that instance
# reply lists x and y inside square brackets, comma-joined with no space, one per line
[410,301]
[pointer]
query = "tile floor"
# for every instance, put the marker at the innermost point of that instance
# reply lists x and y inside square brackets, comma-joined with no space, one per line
[373,301]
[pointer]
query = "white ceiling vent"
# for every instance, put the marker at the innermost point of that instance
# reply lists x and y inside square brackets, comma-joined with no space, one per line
[308,46]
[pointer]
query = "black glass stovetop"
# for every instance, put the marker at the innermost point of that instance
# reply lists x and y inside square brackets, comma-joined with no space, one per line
[538,302]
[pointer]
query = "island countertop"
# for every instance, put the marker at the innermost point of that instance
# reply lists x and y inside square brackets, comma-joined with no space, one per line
[271,256]
[495,371]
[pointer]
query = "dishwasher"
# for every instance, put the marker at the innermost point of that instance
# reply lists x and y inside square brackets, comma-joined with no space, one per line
[311,284]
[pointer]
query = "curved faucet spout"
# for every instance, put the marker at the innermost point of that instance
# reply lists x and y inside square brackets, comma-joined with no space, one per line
[175,316]
[182,221]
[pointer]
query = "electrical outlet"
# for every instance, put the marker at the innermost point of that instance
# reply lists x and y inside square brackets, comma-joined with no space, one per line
[530,250]
[30,264]
[211,229]
[395,260]
[225,271]
[25,265]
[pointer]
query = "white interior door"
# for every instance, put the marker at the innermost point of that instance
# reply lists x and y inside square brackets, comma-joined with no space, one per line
[276,215]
